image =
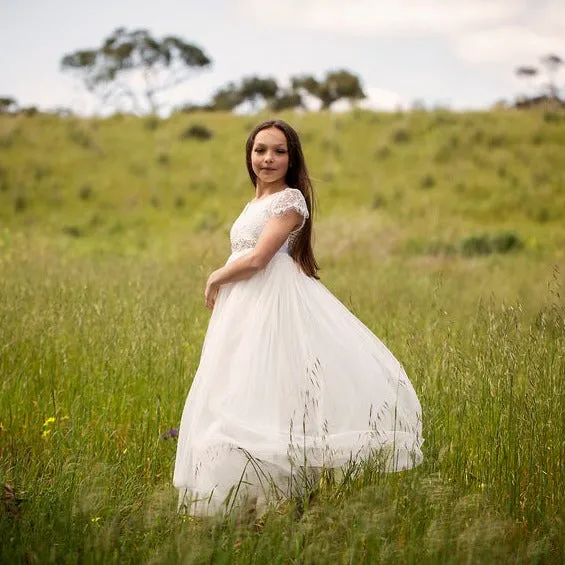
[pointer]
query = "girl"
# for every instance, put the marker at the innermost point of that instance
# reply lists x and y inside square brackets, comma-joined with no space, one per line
[289,380]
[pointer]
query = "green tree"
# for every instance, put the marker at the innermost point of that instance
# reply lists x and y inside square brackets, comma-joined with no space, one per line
[552,64]
[286,100]
[133,66]
[8,105]
[337,85]
[254,89]
[527,73]
[227,98]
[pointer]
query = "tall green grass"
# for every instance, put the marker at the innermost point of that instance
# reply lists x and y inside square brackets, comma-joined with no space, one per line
[101,330]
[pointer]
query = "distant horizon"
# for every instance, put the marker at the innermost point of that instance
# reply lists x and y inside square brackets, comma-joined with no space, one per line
[426,52]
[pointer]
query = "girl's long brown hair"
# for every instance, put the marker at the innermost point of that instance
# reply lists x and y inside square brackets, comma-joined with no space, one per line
[296,177]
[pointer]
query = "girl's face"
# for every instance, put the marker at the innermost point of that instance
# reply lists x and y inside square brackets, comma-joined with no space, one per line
[269,157]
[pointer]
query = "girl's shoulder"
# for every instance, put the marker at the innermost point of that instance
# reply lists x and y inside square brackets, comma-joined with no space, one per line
[289,199]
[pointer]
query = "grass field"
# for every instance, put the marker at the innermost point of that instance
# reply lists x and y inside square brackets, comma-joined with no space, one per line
[442,232]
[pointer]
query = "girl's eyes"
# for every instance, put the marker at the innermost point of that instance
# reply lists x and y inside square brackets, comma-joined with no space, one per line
[279,151]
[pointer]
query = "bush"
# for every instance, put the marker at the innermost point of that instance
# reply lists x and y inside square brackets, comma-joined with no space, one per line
[401,135]
[20,203]
[486,244]
[427,181]
[379,201]
[505,242]
[85,192]
[73,231]
[476,245]
[551,117]
[163,158]
[197,131]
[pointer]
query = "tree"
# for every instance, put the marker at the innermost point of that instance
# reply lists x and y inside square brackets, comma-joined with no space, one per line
[134,66]
[335,86]
[252,89]
[286,100]
[255,88]
[527,73]
[8,105]
[227,98]
[340,84]
[552,63]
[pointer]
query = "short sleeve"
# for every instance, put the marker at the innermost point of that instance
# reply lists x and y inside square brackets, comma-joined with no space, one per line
[289,199]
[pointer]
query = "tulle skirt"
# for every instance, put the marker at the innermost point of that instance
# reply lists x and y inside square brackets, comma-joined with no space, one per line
[290,382]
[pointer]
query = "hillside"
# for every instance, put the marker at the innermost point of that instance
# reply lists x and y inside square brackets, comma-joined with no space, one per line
[431,176]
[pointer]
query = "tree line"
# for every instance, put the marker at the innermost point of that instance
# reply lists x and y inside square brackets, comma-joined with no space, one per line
[546,92]
[132,69]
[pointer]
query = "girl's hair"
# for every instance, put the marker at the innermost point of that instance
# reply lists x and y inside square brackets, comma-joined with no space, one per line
[296,177]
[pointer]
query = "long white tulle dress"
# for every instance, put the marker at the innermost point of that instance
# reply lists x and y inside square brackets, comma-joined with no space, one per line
[289,382]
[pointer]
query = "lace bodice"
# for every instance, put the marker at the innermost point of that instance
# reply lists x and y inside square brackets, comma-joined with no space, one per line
[247,228]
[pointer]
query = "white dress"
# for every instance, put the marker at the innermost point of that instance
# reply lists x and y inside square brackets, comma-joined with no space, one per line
[289,382]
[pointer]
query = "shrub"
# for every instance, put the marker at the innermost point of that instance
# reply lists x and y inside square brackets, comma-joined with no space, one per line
[401,135]
[41,171]
[379,201]
[551,117]
[163,158]
[20,203]
[85,192]
[476,245]
[73,231]
[505,242]
[197,131]
[485,244]
[427,181]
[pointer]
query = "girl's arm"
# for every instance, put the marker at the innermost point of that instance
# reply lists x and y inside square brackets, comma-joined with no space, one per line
[273,236]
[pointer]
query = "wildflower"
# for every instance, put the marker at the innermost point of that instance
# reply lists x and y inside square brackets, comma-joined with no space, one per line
[172,433]
[48,422]
[95,519]
[45,433]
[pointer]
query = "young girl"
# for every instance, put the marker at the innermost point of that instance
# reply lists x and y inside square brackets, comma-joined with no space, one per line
[289,380]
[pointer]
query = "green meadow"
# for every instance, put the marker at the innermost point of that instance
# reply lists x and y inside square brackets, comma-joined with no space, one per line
[443,232]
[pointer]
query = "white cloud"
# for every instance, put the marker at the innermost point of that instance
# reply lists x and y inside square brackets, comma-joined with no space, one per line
[384,16]
[480,31]
[513,44]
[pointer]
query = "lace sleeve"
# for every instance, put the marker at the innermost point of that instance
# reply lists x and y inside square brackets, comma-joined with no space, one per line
[289,199]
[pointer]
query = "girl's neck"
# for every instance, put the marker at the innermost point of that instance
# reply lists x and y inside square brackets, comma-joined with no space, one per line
[265,189]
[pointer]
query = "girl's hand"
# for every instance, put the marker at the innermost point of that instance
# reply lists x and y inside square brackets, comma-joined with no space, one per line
[211,292]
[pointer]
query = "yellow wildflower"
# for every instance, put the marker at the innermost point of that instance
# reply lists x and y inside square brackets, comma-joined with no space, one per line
[48,422]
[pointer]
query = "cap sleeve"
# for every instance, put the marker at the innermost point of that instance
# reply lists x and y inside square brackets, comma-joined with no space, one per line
[289,199]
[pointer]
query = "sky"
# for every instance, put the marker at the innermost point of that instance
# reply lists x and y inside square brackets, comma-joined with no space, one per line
[460,54]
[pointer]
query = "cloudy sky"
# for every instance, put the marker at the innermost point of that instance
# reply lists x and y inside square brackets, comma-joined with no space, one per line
[457,53]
